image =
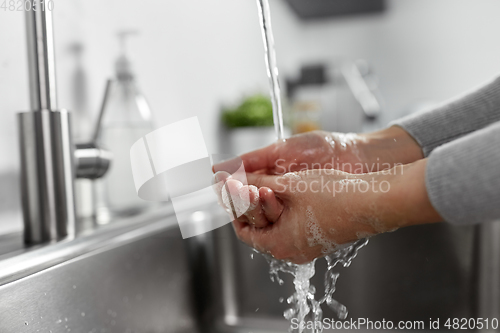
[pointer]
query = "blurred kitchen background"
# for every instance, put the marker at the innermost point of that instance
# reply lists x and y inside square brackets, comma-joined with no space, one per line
[198,57]
[193,58]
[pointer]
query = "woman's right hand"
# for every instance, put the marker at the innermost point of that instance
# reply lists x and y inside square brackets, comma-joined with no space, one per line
[351,153]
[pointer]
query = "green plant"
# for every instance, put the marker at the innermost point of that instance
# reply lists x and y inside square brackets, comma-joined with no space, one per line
[256,110]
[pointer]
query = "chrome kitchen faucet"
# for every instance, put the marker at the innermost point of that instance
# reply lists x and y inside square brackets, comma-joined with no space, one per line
[49,161]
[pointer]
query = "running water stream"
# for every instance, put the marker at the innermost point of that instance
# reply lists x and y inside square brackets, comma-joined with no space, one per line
[304,305]
[272,68]
[305,308]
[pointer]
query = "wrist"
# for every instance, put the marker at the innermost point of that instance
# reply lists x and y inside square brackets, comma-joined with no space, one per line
[389,147]
[407,202]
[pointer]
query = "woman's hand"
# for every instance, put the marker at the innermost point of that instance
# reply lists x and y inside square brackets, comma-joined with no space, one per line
[306,215]
[351,153]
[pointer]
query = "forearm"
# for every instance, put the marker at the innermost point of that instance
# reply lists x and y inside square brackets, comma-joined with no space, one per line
[459,183]
[409,197]
[401,198]
[388,148]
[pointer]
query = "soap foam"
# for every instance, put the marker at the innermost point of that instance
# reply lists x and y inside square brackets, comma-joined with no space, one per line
[240,200]
[256,198]
[316,235]
[226,199]
[348,181]
[364,234]
[292,175]
[359,185]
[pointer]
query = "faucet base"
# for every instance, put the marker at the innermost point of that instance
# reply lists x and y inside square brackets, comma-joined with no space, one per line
[47,175]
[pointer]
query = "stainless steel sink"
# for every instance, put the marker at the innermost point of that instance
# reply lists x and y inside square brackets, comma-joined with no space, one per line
[435,271]
[132,276]
[139,275]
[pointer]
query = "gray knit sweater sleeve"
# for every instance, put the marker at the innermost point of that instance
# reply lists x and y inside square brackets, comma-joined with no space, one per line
[463,177]
[465,114]
[462,140]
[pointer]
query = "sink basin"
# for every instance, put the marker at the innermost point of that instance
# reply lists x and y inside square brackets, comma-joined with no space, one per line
[414,274]
[139,275]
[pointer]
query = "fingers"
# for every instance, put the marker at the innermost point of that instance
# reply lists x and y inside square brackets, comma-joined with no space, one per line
[218,181]
[247,203]
[228,166]
[258,159]
[255,213]
[264,209]
[256,227]
[249,207]
[253,161]
[235,198]
[275,183]
[258,238]
[271,206]
[220,178]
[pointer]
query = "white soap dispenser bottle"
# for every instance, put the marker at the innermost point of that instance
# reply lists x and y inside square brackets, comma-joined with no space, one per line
[125,117]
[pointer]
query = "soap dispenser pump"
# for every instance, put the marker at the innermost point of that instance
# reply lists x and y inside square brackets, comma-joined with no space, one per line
[125,117]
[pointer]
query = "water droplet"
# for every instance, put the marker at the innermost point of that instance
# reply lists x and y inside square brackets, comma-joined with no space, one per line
[26,323]
[281,300]
[257,309]
[251,255]
[74,287]
[288,314]
[83,314]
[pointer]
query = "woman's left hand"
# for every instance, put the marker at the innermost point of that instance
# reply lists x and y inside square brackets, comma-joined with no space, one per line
[305,215]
